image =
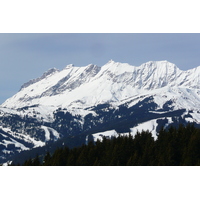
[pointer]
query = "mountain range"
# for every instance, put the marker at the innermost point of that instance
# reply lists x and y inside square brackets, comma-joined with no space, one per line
[78,104]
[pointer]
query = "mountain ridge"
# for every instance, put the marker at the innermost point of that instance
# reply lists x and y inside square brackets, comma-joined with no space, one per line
[87,80]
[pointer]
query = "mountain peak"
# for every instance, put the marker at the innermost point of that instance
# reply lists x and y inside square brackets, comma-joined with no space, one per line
[110,62]
[162,65]
[161,62]
[69,66]
[49,72]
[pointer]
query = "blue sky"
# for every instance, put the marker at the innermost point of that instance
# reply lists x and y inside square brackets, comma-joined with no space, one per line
[25,56]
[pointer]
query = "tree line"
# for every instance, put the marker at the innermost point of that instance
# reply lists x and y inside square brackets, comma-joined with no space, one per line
[173,147]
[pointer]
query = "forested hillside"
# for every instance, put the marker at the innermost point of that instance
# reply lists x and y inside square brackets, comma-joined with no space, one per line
[173,147]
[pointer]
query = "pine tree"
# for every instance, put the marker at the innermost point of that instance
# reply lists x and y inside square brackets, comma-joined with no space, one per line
[47,159]
[36,161]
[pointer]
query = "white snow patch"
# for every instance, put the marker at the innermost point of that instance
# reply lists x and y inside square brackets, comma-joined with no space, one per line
[107,134]
[188,119]
[23,136]
[196,116]
[48,131]
[17,144]
[146,126]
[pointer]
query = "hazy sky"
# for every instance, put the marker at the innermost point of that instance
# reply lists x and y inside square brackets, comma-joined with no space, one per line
[25,56]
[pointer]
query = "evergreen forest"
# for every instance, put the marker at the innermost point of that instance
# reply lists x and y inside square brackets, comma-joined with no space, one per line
[173,147]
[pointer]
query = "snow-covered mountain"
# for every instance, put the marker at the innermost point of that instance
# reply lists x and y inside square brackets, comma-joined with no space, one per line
[116,97]
[92,85]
